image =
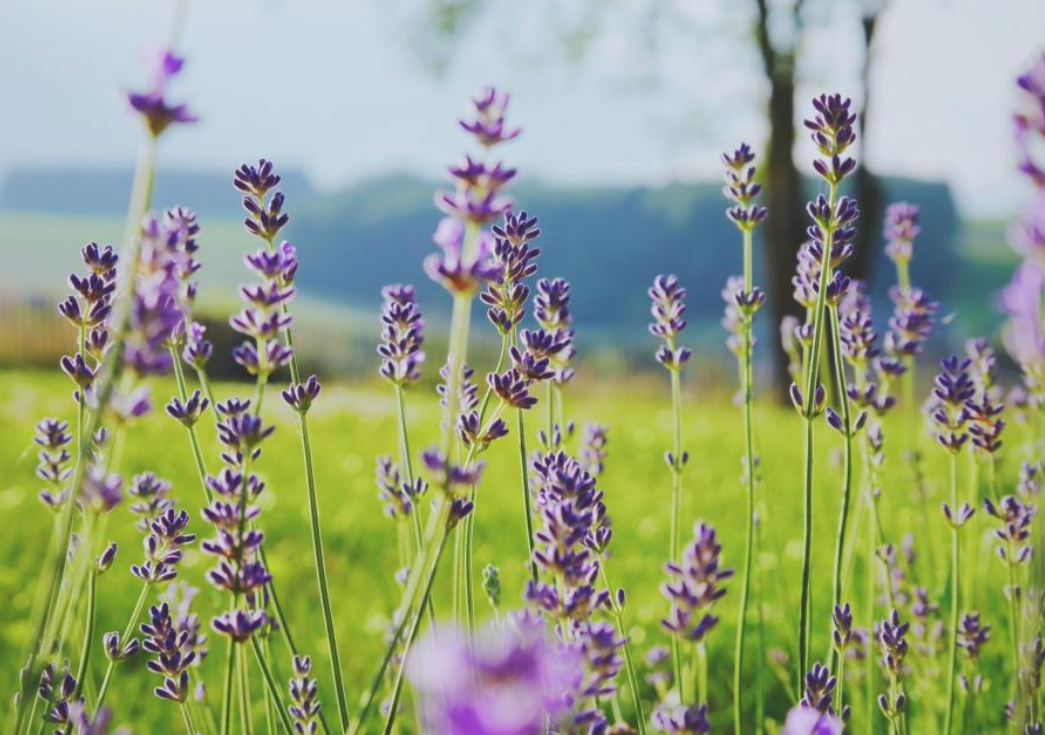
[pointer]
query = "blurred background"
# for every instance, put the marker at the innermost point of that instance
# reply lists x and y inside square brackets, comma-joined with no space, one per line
[626,106]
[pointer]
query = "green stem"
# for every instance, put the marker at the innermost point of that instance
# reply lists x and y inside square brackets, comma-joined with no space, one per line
[246,721]
[408,466]
[629,663]
[747,380]
[88,634]
[197,453]
[468,569]
[321,575]
[128,629]
[272,686]
[411,637]
[190,728]
[812,382]
[524,477]
[141,195]
[1014,622]
[226,694]
[435,540]
[952,668]
[676,502]
[847,472]
[702,673]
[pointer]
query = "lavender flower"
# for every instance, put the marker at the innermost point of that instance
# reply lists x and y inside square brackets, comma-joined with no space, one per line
[265,215]
[398,496]
[156,112]
[264,317]
[568,504]
[912,321]
[89,310]
[973,635]
[512,389]
[892,637]
[819,689]
[101,491]
[452,268]
[489,125]
[189,412]
[304,697]
[507,683]
[694,588]
[742,189]
[53,460]
[952,390]
[741,307]
[179,596]
[803,720]
[300,396]
[593,449]
[402,335]
[172,658]
[1016,519]
[901,230]
[506,294]
[163,546]
[233,514]
[668,309]
[552,310]
[57,689]
[682,719]
[151,498]
[1024,337]
[465,263]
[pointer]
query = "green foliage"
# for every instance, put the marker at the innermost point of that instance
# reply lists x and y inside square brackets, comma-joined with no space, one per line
[351,424]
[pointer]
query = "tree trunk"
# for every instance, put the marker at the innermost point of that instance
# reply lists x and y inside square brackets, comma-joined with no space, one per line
[785,229]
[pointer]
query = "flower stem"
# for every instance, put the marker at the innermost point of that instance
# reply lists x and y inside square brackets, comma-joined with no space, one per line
[246,721]
[435,540]
[317,537]
[411,637]
[408,466]
[952,668]
[128,629]
[321,574]
[272,686]
[747,379]
[847,471]
[88,634]
[629,664]
[812,382]
[190,728]
[141,195]
[676,501]
[197,453]
[1014,621]
[524,477]
[226,694]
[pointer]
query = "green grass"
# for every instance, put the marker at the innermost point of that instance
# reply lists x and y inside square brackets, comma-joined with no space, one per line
[352,424]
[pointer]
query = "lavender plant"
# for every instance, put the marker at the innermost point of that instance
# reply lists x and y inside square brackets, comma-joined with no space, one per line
[564,664]
[743,300]
[819,286]
[952,390]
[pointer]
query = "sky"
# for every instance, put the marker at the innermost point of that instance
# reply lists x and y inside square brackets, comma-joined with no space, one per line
[348,89]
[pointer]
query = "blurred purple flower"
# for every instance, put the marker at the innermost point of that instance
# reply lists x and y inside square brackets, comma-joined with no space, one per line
[507,683]
[803,720]
[156,111]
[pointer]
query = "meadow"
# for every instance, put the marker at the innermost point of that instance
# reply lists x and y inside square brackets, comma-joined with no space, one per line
[355,423]
[707,565]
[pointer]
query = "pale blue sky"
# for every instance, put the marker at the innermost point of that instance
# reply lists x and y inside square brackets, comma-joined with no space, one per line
[342,90]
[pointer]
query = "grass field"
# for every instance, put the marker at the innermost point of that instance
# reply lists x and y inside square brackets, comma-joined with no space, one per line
[352,424]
